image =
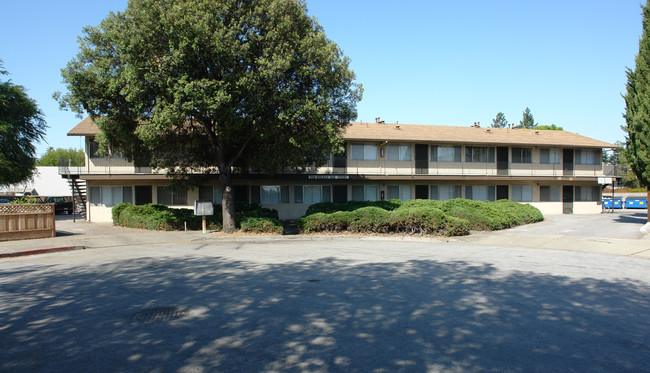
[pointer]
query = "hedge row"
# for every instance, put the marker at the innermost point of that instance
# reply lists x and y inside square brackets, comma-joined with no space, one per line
[250,218]
[449,218]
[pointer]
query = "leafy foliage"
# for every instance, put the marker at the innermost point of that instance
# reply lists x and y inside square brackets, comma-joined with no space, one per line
[637,108]
[21,125]
[448,218]
[207,85]
[527,120]
[330,207]
[25,200]
[52,157]
[552,127]
[500,121]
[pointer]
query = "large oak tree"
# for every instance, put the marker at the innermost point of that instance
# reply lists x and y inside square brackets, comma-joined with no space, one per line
[21,125]
[637,113]
[214,87]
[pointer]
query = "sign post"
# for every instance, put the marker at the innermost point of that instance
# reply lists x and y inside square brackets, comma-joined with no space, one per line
[203,209]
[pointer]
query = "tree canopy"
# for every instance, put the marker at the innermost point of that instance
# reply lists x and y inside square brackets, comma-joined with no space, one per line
[500,121]
[203,86]
[637,107]
[527,120]
[21,125]
[70,157]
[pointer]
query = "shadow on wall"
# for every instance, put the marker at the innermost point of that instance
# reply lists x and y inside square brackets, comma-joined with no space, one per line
[326,315]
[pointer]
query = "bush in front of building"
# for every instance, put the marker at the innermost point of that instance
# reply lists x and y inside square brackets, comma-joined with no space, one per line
[261,225]
[330,207]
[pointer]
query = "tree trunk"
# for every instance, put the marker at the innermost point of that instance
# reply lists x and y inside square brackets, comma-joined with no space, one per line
[227,200]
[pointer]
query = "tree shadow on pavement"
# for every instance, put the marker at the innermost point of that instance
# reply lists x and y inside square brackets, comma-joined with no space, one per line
[324,315]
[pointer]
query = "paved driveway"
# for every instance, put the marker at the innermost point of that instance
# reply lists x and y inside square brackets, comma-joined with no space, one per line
[202,304]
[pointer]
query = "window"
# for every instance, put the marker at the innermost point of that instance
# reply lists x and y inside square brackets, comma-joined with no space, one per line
[399,153]
[477,154]
[210,193]
[110,195]
[401,192]
[445,153]
[522,193]
[271,194]
[445,192]
[363,152]
[364,193]
[549,156]
[93,148]
[171,197]
[522,155]
[312,193]
[550,193]
[480,192]
[588,156]
[587,193]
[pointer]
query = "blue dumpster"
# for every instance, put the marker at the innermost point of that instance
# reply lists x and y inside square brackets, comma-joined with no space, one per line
[618,203]
[636,203]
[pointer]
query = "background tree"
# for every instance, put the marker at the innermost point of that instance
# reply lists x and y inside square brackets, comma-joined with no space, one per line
[21,124]
[499,121]
[552,127]
[52,157]
[637,108]
[205,86]
[527,121]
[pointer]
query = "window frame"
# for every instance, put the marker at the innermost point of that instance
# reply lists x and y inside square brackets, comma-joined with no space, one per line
[456,149]
[474,154]
[404,153]
[366,149]
[521,155]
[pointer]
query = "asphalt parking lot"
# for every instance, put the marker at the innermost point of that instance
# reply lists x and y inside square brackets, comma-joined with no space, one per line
[507,301]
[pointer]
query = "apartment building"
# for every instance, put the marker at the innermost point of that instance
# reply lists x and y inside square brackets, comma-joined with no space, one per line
[555,171]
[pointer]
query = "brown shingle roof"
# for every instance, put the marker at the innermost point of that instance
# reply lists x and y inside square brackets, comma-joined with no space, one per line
[436,134]
[468,135]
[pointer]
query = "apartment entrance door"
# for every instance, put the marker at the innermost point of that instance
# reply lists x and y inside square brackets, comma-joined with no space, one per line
[502,160]
[567,199]
[421,159]
[421,192]
[502,192]
[339,193]
[143,194]
[567,162]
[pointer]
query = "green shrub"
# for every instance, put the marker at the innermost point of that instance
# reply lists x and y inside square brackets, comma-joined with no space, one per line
[369,219]
[330,207]
[261,225]
[338,221]
[159,217]
[117,210]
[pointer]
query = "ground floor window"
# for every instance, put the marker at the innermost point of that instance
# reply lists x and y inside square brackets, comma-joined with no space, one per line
[312,193]
[550,193]
[522,193]
[110,195]
[480,192]
[587,193]
[364,193]
[445,192]
[270,194]
[401,192]
[210,193]
[172,197]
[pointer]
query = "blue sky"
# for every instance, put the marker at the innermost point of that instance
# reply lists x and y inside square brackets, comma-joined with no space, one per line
[420,62]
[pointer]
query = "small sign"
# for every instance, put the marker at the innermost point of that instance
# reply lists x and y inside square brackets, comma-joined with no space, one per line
[203,208]
[604,180]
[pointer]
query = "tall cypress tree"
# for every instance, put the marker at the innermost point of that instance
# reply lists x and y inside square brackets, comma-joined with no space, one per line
[637,112]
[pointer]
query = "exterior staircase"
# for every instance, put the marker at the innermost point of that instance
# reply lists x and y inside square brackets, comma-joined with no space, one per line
[79,195]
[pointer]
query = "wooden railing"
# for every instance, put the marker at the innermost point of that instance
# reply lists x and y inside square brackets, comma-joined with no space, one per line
[26,221]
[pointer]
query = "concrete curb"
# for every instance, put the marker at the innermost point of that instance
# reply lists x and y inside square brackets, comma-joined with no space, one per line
[40,251]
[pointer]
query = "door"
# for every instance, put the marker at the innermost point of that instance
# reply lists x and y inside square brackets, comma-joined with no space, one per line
[502,192]
[143,194]
[502,160]
[567,199]
[567,162]
[421,159]
[340,193]
[421,192]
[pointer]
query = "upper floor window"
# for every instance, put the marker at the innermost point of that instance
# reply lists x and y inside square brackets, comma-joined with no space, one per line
[93,149]
[445,153]
[399,153]
[549,156]
[588,156]
[479,154]
[522,155]
[363,152]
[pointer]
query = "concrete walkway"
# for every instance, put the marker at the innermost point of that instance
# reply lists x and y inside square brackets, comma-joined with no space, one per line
[609,233]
